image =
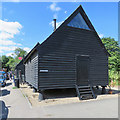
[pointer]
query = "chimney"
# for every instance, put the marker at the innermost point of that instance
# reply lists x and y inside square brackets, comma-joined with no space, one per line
[54,24]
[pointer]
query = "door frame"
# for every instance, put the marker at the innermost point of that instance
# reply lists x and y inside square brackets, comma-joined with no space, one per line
[81,55]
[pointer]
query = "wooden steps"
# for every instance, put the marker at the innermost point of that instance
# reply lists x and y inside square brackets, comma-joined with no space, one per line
[85,92]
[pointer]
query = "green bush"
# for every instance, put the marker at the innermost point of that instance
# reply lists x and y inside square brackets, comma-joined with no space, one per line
[114,60]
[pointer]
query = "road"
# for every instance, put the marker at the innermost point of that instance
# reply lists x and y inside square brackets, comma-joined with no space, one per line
[15,105]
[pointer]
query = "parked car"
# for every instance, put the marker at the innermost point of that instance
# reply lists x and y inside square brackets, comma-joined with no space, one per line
[4,111]
[2,79]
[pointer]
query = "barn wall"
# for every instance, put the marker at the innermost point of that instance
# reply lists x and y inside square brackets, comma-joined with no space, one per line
[31,70]
[58,56]
[20,67]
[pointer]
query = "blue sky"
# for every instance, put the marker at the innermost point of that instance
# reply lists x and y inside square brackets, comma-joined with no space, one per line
[26,23]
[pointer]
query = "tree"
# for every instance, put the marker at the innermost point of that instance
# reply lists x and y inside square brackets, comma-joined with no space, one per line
[113,48]
[4,61]
[11,63]
[20,52]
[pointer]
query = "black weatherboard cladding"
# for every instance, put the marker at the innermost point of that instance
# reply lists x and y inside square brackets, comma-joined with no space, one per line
[31,70]
[31,67]
[20,67]
[57,57]
[60,58]
[82,69]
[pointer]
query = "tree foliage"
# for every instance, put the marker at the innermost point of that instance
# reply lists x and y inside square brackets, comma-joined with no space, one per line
[113,48]
[4,60]
[20,52]
[10,62]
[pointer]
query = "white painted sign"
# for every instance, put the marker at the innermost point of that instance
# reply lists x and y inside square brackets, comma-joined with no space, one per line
[43,70]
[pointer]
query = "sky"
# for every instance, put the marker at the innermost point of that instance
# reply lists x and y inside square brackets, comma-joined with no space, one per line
[23,24]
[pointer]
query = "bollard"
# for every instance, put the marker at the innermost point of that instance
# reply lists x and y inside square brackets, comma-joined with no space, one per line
[40,97]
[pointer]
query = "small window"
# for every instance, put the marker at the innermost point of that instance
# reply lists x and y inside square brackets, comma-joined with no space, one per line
[78,22]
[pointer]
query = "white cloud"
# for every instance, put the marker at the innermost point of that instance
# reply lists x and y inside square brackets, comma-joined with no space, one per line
[11,49]
[101,35]
[65,12]
[7,32]
[8,42]
[5,35]
[55,16]
[10,27]
[10,54]
[1,51]
[54,7]
[7,48]
[57,24]
[26,49]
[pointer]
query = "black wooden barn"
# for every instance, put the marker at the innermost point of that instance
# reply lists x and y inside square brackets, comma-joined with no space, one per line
[73,56]
[20,67]
[20,71]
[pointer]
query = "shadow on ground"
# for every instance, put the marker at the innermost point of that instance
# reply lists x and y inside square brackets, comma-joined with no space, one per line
[98,91]
[3,111]
[4,92]
[8,84]
[65,93]
[59,93]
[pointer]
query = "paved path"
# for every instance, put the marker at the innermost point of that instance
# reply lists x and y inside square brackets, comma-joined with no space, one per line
[107,108]
[17,104]
[18,107]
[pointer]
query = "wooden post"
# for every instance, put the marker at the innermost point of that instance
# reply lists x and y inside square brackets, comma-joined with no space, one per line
[34,90]
[41,96]
[103,90]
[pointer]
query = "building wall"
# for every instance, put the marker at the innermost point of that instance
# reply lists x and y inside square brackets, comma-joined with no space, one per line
[20,67]
[58,56]
[31,70]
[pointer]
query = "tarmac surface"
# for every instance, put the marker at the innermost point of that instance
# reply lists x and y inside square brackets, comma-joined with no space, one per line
[16,105]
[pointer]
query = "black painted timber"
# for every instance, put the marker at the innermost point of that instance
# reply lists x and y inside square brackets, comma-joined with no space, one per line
[20,67]
[56,57]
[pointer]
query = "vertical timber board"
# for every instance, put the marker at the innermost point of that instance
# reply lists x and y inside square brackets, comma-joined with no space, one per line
[82,70]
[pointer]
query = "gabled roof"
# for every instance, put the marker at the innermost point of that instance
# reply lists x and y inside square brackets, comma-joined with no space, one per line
[82,12]
[86,19]
[32,51]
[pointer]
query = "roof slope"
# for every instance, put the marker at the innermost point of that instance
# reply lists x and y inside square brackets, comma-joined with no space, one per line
[32,51]
[79,9]
[85,17]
